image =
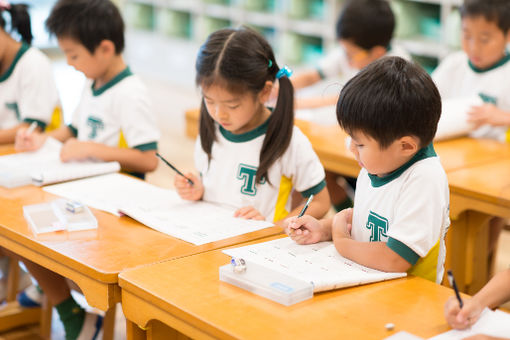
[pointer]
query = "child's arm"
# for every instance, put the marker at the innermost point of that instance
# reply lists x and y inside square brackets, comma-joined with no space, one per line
[496,292]
[187,191]
[308,230]
[317,208]
[305,78]
[132,160]
[489,114]
[375,255]
[8,136]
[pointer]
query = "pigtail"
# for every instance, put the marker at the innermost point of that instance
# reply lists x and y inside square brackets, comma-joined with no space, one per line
[206,130]
[20,21]
[279,130]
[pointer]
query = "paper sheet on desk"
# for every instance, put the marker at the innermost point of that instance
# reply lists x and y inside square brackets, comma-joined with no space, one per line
[160,209]
[493,323]
[44,166]
[453,122]
[318,263]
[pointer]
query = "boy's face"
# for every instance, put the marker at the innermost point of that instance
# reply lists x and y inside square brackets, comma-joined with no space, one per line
[358,57]
[375,160]
[483,41]
[78,56]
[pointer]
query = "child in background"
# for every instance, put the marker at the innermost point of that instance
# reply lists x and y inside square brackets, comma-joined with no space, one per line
[482,69]
[27,89]
[364,30]
[401,215]
[27,93]
[495,293]
[248,155]
[113,122]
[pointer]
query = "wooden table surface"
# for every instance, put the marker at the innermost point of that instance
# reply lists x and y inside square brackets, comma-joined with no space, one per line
[94,258]
[186,294]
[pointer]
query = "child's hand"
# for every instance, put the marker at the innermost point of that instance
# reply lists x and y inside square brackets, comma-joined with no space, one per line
[462,318]
[488,114]
[342,224]
[304,230]
[186,190]
[249,213]
[74,149]
[28,141]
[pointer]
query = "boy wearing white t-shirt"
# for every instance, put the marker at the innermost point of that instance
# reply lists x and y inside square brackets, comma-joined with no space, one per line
[482,69]
[401,207]
[113,122]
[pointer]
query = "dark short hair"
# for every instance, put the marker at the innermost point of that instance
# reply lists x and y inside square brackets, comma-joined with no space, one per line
[88,22]
[497,11]
[367,23]
[389,99]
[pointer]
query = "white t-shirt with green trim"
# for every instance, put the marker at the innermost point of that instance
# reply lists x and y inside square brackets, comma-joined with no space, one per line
[456,77]
[409,210]
[229,178]
[27,90]
[117,112]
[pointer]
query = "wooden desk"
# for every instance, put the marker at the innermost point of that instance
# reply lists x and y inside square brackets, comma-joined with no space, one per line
[93,259]
[329,144]
[476,194]
[185,296]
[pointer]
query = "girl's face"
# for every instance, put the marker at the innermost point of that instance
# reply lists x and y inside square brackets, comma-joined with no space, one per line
[237,113]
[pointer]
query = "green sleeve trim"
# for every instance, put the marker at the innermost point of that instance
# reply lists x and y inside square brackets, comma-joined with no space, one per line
[147,146]
[73,130]
[39,123]
[314,190]
[321,73]
[404,251]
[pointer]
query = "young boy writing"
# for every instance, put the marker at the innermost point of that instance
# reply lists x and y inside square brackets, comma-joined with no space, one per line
[400,216]
[113,122]
[482,69]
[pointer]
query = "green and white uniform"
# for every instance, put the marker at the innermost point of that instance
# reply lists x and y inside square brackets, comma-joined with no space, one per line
[118,114]
[408,210]
[27,90]
[456,77]
[229,178]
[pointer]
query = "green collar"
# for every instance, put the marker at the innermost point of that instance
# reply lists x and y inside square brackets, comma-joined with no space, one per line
[124,74]
[247,136]
[24,47]
[501,62]
[423,153]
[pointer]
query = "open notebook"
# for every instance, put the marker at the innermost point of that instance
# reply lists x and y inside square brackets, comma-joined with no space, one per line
[160,209]
[44,166]
[454,117]
[317,263]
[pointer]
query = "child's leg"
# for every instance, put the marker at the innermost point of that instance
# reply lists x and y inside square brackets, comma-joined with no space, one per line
[496,225]
[56,289]
[339,198]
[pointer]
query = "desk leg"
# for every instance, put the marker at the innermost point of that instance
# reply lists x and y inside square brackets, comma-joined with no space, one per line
[133,332]
[46,318]
[159,331]
[467,250]
[109,323]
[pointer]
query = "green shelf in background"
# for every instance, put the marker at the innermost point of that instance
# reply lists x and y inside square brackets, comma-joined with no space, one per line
[414,18]
[428,63]
[213,24]
[173,23]
[140,16]
[306,9]
[299,48]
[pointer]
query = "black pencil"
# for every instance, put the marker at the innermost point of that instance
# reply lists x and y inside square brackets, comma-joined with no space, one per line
[174,168]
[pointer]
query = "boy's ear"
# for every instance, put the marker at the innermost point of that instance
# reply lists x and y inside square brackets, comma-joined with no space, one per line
[409,145]
[266,92]
[106,47]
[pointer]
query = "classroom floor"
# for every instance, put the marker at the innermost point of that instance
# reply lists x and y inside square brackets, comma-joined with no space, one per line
[172,92]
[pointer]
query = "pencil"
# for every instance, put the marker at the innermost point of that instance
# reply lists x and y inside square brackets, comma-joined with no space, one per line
[174,168]
[306,206]
[451,279]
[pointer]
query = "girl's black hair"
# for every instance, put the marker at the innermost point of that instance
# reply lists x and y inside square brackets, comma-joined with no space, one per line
[242,60]
[20,21]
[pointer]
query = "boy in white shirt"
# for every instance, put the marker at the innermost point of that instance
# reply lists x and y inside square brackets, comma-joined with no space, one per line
[401,207]
[113,122]
[482,69]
